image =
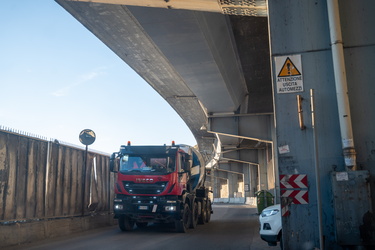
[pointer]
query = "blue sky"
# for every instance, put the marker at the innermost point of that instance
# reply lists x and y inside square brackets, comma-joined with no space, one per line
[57,78]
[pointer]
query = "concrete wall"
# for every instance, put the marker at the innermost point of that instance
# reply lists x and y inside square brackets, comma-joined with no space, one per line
[23,232]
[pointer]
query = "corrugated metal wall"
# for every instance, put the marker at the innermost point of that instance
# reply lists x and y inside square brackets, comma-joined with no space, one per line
[45,179]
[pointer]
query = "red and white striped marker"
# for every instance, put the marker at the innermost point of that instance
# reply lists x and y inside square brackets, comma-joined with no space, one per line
[293,181]
[299,196]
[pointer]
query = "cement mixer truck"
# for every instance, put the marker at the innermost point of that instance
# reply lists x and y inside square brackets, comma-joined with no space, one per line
[162,184]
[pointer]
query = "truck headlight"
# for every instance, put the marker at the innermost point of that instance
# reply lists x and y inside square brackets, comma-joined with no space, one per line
[118,207]
[170,208]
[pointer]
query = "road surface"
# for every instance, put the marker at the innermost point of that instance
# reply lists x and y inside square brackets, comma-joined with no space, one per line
[231,227]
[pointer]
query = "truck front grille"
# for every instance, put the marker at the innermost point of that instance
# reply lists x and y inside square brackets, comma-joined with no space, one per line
[145,188]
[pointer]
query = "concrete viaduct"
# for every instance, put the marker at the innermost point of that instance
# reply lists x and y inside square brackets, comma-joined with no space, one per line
[278,95]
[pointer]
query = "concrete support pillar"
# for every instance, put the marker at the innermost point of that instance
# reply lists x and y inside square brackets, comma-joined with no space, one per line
[232,185]
[247,181]
[240,186]
[299,32]
[224,189]
[215,184]
[262,168]
[254,179]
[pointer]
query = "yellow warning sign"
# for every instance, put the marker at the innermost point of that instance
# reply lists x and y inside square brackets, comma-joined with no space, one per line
[289,74]
[289,69]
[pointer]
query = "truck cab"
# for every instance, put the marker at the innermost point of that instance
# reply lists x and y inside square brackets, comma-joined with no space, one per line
[159,184]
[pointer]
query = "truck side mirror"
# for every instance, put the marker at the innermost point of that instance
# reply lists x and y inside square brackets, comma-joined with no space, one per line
[113,163]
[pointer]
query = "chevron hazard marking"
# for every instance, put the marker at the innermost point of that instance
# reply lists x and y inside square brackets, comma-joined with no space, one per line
[293,181]
[299,196]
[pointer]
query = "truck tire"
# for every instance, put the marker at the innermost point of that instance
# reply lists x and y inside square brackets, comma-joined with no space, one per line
[125,223]
[208,211]
[141,224]
[194,215]
[183,224]
[202,218]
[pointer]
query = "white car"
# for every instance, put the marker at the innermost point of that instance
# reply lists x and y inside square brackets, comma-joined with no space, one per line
[270,225]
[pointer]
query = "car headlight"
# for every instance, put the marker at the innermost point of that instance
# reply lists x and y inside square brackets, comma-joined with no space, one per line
[269,212]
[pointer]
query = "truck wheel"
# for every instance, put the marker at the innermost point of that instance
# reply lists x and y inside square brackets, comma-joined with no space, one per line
[208,211]
[194,215]
[125,223]
[183,224]
[202,218]
[141,224]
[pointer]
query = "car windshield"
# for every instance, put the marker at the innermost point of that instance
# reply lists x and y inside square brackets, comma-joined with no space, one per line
[147,164]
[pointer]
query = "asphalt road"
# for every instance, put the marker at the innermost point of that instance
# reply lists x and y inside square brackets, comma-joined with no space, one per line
[231,227]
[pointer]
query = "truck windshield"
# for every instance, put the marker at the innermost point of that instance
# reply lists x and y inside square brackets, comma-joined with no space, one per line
[147,164]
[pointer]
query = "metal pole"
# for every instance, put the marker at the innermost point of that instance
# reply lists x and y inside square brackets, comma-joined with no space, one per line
[317,173]
[84,182]
[48,164]
[341,85]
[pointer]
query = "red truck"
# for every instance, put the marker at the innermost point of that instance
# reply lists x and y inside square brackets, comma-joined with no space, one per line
[163,184]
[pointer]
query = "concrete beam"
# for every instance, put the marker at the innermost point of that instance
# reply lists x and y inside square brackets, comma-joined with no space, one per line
[251,127]
[188,40]
[246,156]
[236,7]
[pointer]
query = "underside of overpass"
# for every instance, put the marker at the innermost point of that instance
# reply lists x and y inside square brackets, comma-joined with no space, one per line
[225,67]
[210,61]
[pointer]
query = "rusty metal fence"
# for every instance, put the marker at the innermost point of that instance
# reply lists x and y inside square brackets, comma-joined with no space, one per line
[42,178]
